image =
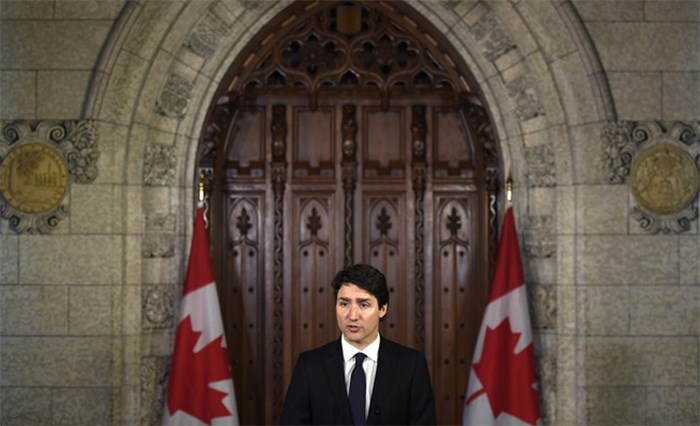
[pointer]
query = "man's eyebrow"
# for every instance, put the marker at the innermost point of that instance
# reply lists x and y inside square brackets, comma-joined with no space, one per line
[359,299]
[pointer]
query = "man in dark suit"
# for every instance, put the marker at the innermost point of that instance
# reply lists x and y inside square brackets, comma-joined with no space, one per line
[392,385]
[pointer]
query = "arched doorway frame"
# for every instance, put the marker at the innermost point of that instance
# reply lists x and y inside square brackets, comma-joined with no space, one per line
[147,46]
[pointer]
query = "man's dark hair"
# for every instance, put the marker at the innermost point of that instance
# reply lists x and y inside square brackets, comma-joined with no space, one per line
[366,277]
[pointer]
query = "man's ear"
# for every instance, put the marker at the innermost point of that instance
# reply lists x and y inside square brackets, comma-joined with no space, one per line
[382,310]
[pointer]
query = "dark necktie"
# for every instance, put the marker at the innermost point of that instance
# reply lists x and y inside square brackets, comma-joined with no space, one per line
[358,389]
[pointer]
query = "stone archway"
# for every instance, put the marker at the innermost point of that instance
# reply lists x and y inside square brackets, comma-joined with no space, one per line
[359,111]
[539,91]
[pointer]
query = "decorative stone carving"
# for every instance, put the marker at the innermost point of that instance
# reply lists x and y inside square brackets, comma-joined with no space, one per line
[160,222]
[541,167]
[527,105]
[618,150]
[206,35]
[158,304]
[175,97]
[154,379]
[660,161]
[543,305]
[36,160]
[158,245]
[539,239]
[159,165]
[492,38]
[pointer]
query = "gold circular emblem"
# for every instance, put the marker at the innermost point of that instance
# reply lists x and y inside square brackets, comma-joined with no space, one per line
[664,179]
[34,178]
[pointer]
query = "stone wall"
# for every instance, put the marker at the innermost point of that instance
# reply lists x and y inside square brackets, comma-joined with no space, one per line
[87,302]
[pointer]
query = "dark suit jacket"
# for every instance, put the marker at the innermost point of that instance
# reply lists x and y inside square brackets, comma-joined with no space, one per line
[402,393]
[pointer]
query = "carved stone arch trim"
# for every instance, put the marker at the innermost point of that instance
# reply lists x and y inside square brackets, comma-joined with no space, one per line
[454,19]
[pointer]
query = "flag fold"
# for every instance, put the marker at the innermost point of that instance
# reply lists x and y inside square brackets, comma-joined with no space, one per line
[502,387]
[200,386]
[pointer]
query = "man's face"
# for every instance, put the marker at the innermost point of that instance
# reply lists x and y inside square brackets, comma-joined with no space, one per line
[358,315]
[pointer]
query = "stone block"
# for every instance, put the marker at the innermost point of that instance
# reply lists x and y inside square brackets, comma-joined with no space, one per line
[81,406]
[18,89]
[565,214]
[545,23]
[123,87]
[70,260]
[606,310]
[672,11]
[689,260]
[35,45]
[91,310]
[61,93]
[603,209]
[25,406]
[605,10]
[574,89]
[586,148]
[89,9]
[668,310]
[33,310]
[673,405]
[96,209]
[153,23]
[644,46]
[615,405]
[26,9]
[567,310]
[615,260]
[55,361]
[112,143]
[677,99]
[9,259]
[637,94]
[641,361]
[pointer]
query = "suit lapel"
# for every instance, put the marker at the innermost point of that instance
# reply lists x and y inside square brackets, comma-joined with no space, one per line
[334,366]
[383,380]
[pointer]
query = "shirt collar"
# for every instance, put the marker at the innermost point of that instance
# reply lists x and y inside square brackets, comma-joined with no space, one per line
[371,350]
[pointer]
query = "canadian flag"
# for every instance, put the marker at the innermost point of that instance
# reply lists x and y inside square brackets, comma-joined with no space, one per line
[502,385]
[200,386]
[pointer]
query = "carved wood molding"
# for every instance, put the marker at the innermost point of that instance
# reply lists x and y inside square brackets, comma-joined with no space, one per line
[349,165]
[355,47]
[278,128]
[418,144]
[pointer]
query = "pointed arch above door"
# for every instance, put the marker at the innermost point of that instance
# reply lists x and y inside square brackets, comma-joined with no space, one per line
[349,132]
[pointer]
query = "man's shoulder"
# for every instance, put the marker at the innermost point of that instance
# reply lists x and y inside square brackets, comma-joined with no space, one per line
[322,351]
[393,347]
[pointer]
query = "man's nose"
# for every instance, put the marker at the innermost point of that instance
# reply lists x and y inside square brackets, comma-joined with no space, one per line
[352,312]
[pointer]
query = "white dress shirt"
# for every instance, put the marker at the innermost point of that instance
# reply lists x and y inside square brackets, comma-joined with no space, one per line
[370,366]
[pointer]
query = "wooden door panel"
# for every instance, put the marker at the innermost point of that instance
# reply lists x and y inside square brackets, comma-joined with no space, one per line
[385,225]
[313,247]
[314,142]
[242,297]
[455,230]
[383,143]
[285,242]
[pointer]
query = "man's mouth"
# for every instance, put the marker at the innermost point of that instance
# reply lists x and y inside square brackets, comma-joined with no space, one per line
[353,328]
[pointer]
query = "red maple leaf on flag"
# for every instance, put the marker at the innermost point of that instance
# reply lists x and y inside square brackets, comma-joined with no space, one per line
[507,378]
[194,371]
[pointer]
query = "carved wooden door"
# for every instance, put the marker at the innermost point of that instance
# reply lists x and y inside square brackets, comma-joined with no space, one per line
[347,140]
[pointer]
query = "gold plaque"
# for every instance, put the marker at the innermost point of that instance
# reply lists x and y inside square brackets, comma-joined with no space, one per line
[664,179]
[34,178]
